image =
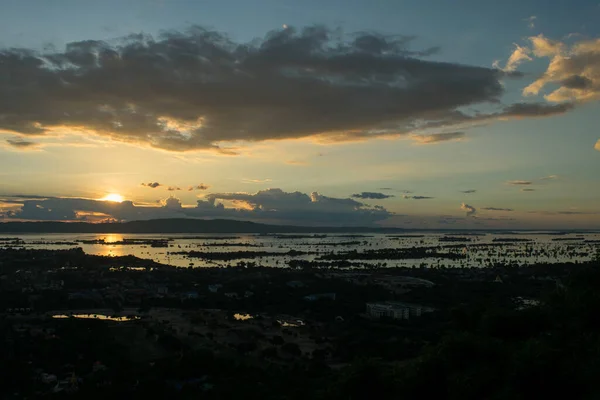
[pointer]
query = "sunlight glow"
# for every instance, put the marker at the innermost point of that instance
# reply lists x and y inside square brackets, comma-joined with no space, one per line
[113,197]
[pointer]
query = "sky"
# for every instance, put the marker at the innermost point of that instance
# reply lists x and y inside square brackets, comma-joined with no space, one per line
[405,113]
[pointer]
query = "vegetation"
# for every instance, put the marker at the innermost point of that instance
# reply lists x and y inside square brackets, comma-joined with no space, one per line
[482,342]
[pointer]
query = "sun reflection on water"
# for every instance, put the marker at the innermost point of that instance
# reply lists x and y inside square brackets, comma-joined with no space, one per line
[242,317]
[112,237]
[109,250]
[96,316]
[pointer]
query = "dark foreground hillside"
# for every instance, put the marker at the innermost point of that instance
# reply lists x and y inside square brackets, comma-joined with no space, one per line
[477,345]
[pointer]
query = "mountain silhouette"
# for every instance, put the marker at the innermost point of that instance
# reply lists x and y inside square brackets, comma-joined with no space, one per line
[175,225]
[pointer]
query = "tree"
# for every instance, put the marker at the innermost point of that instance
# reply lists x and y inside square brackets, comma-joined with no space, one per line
[277,340]
[144,308]
[270,352]
[291,349]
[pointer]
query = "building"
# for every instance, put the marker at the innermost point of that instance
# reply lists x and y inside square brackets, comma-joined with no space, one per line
[396,310]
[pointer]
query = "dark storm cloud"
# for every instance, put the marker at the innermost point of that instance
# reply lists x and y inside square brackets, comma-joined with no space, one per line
[497,209]
[457,119]
[536,109]
[372,195]
[468,191]
[272,205]
[21,143]
[196,89]
[152,185]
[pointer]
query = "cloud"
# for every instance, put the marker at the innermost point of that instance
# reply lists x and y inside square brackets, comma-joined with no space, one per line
[172,203]
[576,213]
[270,206]
[520,110]
[438,137]
[417,197]
[297,207]
[298,162]
[22,143]
[528,183]
[152,185]
[597,146]
[527,190]
[471,211]
[198,89]
[201,186]
[371,195]
[519,55]
[528,110]
[573,72]
[173,188]
[497,209]
[519,182]
[577,82]
[468,191]
[531,21]
[68,209]
[386,188]
[256,180]
[566,212]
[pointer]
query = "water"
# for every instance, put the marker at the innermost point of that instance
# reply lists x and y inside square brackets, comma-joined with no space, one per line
[542,247]
[96,316]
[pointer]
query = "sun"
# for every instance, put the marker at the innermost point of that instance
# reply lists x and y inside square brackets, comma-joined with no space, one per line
[117,198]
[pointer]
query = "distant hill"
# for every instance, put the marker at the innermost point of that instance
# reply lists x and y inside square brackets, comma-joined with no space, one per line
[181,225]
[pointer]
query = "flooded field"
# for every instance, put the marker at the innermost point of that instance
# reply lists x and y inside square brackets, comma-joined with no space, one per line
[333,250]
[96,317]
